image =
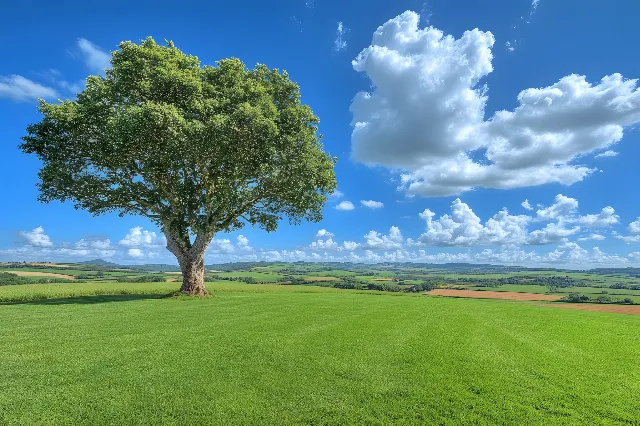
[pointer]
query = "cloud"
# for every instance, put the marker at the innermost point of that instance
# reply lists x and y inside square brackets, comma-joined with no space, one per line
[323,233]
[20,89]
[593,237]
[93,244]
[561,209]
[340,43]
[372,204]
[425,115]
[242,243]
[345,205]
[327,244]
[336,194]
[510,46]
[36,237]
[135,252]
[551,233]
[222,245]
[526,205]
[608,153]
[377,241]
[464,228]
[565,209]
[139,237]
[634,227]
[96,59]
[606,217]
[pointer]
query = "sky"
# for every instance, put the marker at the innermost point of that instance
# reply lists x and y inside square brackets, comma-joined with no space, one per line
[501,132]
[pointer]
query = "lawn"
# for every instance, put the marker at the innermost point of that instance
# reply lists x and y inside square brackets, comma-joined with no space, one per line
[269,354]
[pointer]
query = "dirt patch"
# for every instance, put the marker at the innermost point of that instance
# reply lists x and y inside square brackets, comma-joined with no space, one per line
[508,295]
[321,279]
[616,309]
[41,274]
[174,273]
[383,279]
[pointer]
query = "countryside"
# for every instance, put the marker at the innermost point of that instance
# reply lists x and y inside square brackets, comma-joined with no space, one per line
[312,212]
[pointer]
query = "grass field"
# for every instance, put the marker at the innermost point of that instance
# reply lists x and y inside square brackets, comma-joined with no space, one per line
[270,354]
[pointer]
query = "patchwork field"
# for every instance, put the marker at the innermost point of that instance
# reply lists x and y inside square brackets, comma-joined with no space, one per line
[41,274]
[506,295]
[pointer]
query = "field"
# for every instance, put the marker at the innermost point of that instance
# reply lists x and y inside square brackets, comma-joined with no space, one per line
[105,352]
[322,357]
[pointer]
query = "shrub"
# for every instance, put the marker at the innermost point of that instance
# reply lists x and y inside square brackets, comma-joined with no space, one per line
[603,299]
[575,298]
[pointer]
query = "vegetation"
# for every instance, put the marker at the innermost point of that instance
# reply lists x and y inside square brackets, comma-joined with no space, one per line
[197,150]
[292,357]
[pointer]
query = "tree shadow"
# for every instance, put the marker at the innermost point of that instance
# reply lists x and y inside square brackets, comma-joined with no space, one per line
[87,300]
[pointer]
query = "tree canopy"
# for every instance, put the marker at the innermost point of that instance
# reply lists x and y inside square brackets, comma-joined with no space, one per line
[196,149]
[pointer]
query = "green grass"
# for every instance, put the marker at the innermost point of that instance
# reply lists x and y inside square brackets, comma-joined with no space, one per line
[309,355]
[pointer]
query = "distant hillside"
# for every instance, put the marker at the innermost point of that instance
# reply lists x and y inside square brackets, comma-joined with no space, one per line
[155,268]
[100,262]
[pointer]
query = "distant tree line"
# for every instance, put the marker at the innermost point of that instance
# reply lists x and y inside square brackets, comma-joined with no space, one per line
[7,278]
[603,298]
[142,279]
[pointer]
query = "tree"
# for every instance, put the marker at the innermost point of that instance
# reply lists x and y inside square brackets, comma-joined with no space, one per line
[196,149]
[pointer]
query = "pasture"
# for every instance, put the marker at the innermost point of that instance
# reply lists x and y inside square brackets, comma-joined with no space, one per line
[273,354]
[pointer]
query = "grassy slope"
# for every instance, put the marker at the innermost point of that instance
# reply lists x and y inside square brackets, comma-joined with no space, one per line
[330,357]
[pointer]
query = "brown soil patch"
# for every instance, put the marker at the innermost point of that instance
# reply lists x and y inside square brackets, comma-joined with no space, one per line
[321,279]
[509,295]
[383,279]
[173,273]
[616,309]
[42,274]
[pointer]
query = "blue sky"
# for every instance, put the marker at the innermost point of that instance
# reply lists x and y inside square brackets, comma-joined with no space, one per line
[538,103]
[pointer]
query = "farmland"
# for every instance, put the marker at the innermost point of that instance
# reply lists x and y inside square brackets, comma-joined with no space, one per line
[95,351]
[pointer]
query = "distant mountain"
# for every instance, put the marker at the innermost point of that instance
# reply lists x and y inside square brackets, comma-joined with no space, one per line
[100,262]
[155,268]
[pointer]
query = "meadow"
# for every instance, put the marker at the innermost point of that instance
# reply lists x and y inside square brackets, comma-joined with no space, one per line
[131,353]
[264,357]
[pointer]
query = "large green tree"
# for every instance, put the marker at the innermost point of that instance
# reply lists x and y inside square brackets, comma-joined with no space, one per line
[196,149]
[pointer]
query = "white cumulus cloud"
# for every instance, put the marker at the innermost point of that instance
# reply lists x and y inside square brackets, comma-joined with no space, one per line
[135,253]
[372,204]
[36,237]
[425,115]
[378,241]
[345,205]
[139,237]
[526,205]
[323,233]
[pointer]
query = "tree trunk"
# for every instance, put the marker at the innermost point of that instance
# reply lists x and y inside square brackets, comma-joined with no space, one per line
[190,258]
[193,275]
